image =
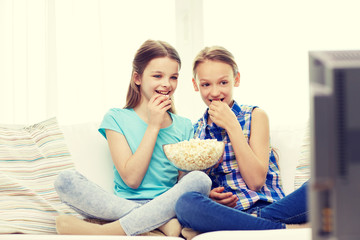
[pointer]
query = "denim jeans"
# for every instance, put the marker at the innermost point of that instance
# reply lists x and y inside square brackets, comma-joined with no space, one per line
[203,214]
[135,216]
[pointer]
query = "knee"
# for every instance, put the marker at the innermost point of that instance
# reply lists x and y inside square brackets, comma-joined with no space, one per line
[201,182]
[189,207]
[185,204]
[64,181]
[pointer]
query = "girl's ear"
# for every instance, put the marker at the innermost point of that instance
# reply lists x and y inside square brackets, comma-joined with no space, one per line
[137,78]
[196,88]
[237,80]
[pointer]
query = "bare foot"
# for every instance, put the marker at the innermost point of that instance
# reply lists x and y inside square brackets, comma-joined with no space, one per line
[188,233]
[172,228]
[66,224]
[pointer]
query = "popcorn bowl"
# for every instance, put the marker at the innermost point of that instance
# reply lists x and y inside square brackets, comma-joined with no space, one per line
[194,154]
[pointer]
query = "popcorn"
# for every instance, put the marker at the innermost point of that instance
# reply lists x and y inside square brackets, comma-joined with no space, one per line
[194,154]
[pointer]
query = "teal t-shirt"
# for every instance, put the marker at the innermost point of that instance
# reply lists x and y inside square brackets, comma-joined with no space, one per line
[161,174]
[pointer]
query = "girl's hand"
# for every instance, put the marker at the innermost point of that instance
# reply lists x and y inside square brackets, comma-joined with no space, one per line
[157,107]
[228,199]
[221,114]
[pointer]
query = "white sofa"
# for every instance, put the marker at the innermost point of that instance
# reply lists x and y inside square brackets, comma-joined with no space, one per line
[91,156]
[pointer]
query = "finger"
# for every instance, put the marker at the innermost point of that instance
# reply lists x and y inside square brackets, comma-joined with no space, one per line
[223,196]
[157,97]
[213,111]
[219,189]
[213,119]
[226,195]
[231,204]
[162,98]
[229,200]
[234,203]
[162,102]
[216,195]
[154,97]
[214,191]
[165,104]
[227,203]
[215,104]
[212,108]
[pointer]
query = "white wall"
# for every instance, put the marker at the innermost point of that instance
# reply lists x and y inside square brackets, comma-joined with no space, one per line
[271,40]
[72,58]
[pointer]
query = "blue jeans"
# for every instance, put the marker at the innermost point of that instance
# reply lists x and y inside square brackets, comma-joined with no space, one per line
[203,214]
[135,216]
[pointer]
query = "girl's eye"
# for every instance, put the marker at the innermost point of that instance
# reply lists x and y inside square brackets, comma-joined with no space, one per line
[204,84]
[224,82]
[174,77]
[157,76]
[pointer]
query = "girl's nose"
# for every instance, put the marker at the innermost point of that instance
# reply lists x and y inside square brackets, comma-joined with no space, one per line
[214,91]
[165,82]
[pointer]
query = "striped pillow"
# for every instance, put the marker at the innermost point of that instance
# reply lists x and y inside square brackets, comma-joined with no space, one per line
[302,172]
[30,159]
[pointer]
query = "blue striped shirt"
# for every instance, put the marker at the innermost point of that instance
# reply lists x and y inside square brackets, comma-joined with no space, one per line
[227,174]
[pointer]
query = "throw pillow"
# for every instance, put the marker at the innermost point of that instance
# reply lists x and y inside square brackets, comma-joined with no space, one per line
[30,159]
[302,172]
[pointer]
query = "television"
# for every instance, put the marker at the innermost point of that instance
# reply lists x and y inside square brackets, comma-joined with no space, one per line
[334,192]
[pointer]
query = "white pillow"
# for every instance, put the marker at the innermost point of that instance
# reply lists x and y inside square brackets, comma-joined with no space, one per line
[287,139]
[90,153]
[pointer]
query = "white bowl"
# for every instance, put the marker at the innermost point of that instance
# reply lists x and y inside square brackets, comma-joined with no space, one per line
[195,154]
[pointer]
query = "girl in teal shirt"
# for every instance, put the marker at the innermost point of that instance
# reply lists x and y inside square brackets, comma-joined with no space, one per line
[146,187]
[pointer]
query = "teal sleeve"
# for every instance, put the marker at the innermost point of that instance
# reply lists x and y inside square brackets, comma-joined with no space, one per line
[190,130]
[111,121]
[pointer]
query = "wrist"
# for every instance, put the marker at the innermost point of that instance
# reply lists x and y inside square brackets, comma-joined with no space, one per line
[235,132]
[153,128]
[232,126]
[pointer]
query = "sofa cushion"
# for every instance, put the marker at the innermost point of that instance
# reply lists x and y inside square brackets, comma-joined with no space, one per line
[278,234]
[90,153]
[30,159]
[286,139]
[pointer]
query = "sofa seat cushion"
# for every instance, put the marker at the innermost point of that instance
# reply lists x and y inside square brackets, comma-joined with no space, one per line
[278,234]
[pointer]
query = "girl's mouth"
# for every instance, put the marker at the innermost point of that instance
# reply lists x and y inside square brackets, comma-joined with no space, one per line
[162,92]
[220,99]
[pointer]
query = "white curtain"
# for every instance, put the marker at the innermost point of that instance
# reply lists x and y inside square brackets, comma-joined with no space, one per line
[23,70]
[72,58]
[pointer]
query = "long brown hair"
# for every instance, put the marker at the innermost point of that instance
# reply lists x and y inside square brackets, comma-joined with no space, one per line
[149,50]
